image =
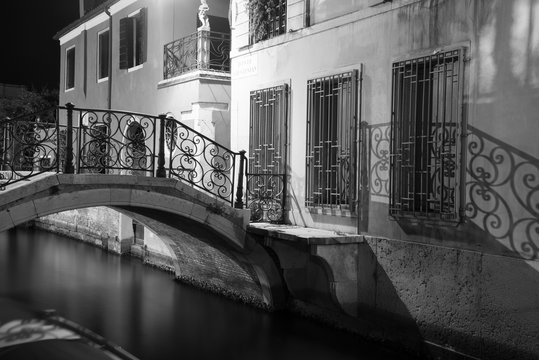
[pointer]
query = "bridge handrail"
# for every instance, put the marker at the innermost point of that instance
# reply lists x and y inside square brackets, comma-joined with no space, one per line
[102,145]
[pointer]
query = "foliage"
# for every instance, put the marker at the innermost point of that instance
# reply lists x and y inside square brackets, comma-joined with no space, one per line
[27,102]
[261,15]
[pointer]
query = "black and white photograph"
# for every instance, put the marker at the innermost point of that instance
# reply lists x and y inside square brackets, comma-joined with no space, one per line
[269,179]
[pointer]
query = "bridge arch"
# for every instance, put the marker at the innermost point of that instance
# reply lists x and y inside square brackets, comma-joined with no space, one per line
[196,212]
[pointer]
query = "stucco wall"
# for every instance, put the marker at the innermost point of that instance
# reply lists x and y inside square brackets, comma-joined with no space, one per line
[138,89]
[450,282]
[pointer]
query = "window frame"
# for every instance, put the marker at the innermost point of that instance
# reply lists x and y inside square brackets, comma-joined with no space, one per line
[276,26]
[451,170]
[343,196]
[101,78]
[133,40]
[70,70]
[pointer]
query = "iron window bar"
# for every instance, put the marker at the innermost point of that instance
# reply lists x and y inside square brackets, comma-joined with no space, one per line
[268,22]
[266,176]
[425,131]
[331,142]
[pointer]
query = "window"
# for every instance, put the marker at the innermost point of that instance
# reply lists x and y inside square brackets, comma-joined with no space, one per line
[133,31]
[331,142]
[70,69]
[267,153]
[103,55]
[322,10]
[425,127]
[267,19]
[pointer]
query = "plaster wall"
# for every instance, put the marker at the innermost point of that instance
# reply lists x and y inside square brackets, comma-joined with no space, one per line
[447,283]
[139,89]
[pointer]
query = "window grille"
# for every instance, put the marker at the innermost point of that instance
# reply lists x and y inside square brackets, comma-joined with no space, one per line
[425,129]
[331,142]
[266,181]
[267,20]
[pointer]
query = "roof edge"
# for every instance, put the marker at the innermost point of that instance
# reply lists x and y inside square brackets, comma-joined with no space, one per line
[91,14]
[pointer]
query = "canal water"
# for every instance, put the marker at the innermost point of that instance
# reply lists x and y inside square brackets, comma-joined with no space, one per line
[152,316]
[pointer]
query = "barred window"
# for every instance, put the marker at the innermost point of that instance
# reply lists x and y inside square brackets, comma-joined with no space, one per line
[331,138]
[267,19]
[266,183]
[425,124]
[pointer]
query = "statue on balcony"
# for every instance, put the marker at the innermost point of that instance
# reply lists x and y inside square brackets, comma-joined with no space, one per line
[203,15]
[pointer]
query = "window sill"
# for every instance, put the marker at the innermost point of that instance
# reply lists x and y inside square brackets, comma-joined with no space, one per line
[102,79]
[70,89]
[438,219]
[193,75]
[331,212]
[135,68]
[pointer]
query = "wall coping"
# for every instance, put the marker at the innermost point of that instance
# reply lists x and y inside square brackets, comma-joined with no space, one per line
[200,75]
[311,236]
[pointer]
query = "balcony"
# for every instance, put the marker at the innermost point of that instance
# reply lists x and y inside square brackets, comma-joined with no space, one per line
[203,50]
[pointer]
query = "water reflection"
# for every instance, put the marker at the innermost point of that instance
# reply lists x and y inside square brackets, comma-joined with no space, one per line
[144,311]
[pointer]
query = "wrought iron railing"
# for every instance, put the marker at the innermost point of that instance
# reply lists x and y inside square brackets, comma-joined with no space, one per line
[28,146]
[71,140]
[203,50]
[266,197]
[197,159]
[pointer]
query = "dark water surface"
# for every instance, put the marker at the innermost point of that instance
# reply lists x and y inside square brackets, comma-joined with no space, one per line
[150,315]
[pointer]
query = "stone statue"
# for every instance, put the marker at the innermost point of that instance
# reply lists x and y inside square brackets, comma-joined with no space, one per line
[203,15]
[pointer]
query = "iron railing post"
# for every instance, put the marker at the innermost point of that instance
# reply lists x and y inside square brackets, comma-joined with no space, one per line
[69,168]
[58,158]
[239,193]
[161,172]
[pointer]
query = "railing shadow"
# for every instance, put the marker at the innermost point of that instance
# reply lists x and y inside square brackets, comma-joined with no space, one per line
[503,193]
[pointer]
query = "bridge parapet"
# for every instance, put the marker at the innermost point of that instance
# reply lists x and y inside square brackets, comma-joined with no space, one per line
[66,139]
[51,193]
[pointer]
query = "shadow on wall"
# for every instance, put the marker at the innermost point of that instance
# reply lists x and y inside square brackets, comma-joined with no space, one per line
[503,193]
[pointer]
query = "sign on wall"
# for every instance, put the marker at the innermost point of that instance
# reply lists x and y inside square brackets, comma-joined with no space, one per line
[245,66]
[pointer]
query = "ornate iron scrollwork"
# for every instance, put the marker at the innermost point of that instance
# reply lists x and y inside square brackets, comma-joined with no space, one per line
[503,193]
[28,146]
[116,142]
[265,197]
[380,137]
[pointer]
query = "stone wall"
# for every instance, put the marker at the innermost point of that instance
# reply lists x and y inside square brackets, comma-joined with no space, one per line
[191,260]
[437,301]
[97,225]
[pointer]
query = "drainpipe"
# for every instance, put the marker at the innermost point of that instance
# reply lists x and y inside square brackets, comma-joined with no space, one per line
[107,11]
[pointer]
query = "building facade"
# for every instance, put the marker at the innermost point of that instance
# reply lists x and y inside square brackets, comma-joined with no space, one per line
[412,124]
[141,57]
[149,57]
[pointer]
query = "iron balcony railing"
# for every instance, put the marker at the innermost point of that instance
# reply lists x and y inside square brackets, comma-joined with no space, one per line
[203,50]
[71,140]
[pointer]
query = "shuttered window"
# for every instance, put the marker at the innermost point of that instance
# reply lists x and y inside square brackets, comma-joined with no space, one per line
[133,39]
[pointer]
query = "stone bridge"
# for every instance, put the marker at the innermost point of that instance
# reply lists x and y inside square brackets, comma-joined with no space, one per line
[165,201]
